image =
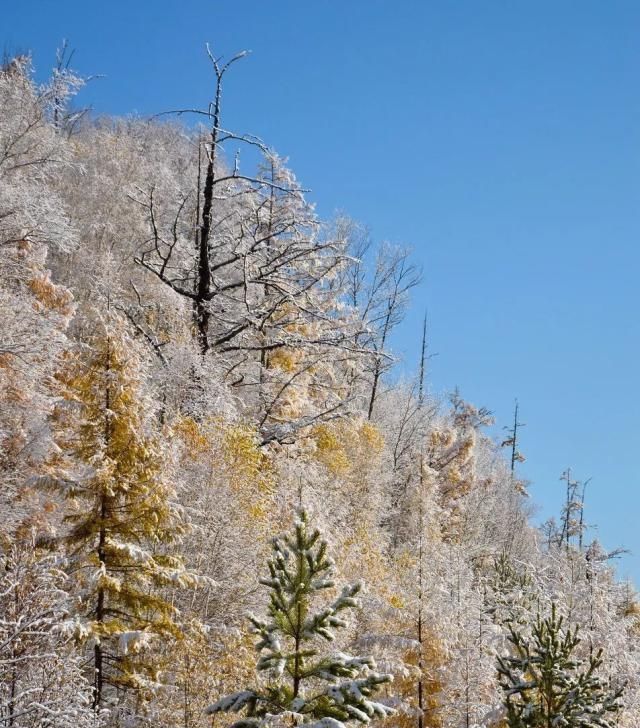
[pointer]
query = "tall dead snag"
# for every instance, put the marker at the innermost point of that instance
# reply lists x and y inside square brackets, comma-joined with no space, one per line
[423,360]
[511,441]
[573,524]
[162,259]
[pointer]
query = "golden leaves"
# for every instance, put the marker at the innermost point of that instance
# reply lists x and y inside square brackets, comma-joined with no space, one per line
[51,296]
[232,455]
[348,446]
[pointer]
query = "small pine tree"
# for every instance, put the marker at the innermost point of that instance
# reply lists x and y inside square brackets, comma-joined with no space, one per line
[511,592]
[546,685]
[119,508]
[311,687]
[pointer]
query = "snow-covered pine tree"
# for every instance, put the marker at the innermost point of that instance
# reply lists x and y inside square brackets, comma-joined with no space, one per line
[511,592]
[304,682]
[545,684]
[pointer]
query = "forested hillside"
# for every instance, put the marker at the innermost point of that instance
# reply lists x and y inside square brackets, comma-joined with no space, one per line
[191,364]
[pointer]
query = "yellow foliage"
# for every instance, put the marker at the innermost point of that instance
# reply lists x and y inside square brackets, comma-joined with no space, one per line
[632,609]
[347,446]
[234,457]
[330,450]
[363,552]
[405,561]
[49,295]
[441,439]
[451,458]
[199,666]
[119,509]
[434,663]
[413,664]
[421,670]
[258,511]
[241,452]
[192,435]
[286,359]
[372,437]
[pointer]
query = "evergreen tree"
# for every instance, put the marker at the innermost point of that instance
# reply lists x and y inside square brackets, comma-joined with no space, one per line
[318,689]
[511,592]
[546,685]
[119,510]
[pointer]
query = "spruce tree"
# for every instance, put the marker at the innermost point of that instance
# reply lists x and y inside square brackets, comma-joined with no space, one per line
[546,685]
[119,509]
[301,680]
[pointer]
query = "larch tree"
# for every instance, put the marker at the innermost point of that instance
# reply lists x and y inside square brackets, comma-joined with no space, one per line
[120,513]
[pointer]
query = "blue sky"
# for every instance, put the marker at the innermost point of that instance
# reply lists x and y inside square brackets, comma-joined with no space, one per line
[499,139]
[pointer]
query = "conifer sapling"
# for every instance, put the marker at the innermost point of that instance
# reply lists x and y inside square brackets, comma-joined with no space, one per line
[545,684]
[313,688]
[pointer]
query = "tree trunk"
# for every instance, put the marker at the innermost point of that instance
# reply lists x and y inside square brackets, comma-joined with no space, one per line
[203,281]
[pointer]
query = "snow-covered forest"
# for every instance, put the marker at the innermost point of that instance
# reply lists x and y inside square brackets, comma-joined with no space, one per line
[192,364]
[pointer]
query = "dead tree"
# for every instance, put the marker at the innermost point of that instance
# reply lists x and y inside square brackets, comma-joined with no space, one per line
[196,282]
[397,275]
[512,443]
[570,511]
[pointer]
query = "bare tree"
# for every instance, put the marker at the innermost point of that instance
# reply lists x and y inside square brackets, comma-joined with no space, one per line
[197,281]
[512,443]
[380,298]
[573,510]
[395,276]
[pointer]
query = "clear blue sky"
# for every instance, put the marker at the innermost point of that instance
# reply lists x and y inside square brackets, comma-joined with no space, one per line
[499,139]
